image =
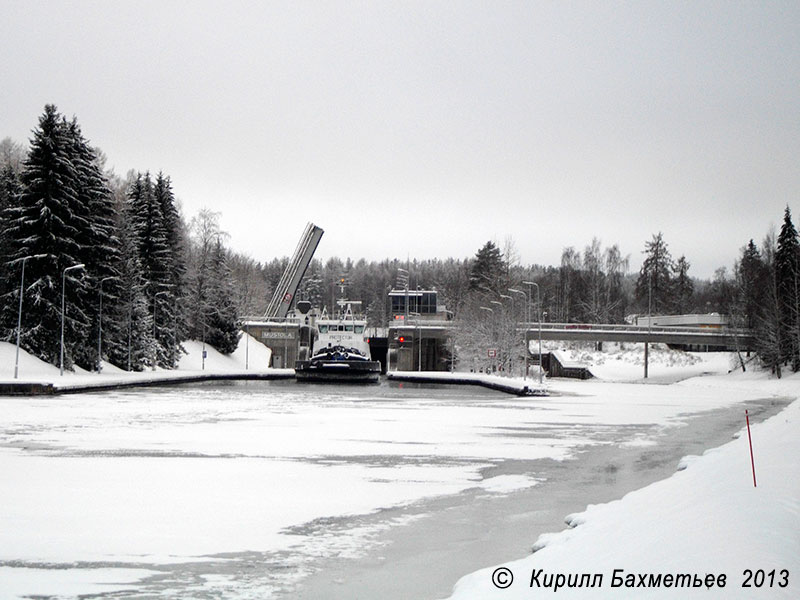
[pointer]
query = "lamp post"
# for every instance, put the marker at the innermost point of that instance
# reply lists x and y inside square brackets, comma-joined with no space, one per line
[487,309]
[63,285]
[649,321]
[511,342]
[155,306]
[130,325]
[539,312]
[100,327]
[525,333]
[499,304]
[19,316]
[247,345]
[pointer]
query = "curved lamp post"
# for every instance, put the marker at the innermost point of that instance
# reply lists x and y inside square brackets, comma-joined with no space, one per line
[539,312]
[19,316]
[511,341]
[525,333]
[63,285]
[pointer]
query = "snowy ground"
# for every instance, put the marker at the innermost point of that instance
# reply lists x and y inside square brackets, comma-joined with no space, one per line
[251,355]
[238,490]
[625,361]
[708,518]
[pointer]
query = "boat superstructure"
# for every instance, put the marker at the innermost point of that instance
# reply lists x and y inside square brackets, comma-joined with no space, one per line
[340,351]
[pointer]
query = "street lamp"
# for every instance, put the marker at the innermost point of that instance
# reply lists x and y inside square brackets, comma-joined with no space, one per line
[539,311]
[63,285]
[100,327]
[19,316]
[525,333]
[487,309]
[511,338]
[155,307]
[649,320]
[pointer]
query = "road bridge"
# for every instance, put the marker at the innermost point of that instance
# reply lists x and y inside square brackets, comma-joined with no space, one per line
[426,344]
[741,339]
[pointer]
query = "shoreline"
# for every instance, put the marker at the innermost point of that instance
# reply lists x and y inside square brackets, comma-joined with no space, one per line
[114,382]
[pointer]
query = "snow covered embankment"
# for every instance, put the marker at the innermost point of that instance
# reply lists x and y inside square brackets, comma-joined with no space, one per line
[707,518]
[249,360]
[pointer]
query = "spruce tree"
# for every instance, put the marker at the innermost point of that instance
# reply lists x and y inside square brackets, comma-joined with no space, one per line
[488,270]
[98,240]
[769,326]
[10,189]
[132,347]
[155,259]
[787,267]
[47,223]
[751,279]
[654,285]
[174,298]
[222,330]
[683,287]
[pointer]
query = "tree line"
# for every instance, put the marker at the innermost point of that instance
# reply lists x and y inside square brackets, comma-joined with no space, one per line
[162,280]
[109,262]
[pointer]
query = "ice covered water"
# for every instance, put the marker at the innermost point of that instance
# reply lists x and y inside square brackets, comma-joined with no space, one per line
[244,489]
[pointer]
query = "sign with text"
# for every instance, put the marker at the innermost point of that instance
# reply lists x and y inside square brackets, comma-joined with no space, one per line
[277,335]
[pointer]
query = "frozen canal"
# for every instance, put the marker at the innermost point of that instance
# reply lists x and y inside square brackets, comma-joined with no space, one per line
[278,489]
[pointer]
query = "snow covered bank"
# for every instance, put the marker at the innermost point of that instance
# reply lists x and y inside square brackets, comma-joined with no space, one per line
[512,385]
[251,358]
[625,361]
[708,518]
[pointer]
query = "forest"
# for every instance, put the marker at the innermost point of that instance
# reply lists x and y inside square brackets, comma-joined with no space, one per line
[137,277]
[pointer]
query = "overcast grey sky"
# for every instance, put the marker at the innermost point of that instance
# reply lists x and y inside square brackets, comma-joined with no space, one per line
[428,128]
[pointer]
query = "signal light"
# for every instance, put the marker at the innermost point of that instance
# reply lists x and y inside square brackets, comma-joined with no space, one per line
[401,339]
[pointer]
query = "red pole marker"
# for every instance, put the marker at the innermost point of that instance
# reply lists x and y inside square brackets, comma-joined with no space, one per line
[749,439]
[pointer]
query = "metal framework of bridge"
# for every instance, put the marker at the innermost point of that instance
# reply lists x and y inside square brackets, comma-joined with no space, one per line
[419,344]
[742,339]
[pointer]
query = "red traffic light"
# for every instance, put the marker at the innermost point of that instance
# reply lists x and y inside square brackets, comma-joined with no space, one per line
[401,339]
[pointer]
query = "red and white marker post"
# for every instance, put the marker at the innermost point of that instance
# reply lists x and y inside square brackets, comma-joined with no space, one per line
[749,439]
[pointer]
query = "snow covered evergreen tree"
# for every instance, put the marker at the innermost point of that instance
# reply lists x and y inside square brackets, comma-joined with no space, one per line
[769,327]
[488,270]
[99,242]
[683,286]
[222,330]
[751,279]
[654,285]
[787,272]
[132,348]
[155,258]
[10,189]
[175,295]
[47,224]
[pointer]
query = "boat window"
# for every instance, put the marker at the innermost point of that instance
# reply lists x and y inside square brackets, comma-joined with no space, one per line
[359,329]
[348,328]
[323,329]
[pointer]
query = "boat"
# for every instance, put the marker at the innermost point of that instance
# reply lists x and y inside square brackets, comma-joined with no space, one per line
[338,364]
[341,352]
